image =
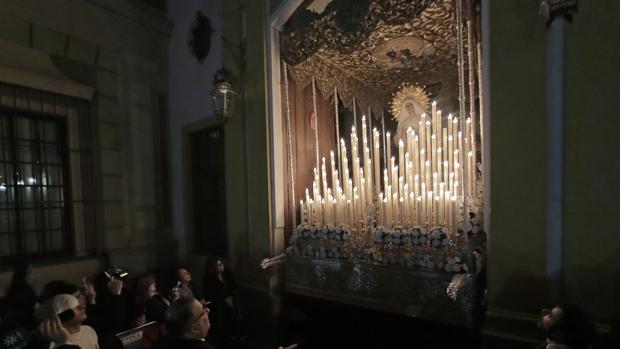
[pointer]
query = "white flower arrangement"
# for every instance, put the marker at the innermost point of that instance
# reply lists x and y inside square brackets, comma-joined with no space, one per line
[379,235]
[397,234]
[435,249]
[438,237]
[419,236]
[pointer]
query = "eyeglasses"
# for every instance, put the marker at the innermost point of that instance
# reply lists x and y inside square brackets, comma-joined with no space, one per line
[204,311]
[546,311]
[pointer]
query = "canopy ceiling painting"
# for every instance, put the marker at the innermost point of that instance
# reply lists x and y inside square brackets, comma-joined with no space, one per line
[368,48]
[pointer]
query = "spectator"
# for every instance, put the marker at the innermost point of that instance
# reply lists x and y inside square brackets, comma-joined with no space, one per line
[54,332]
[185,288]
[221,288]
[567,327]
[20,299]
[146,301]
[72,331]
[51,290]
[188,324]
[109,312]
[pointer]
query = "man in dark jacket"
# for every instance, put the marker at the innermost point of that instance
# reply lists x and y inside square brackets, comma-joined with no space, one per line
[567,327]
[187,322]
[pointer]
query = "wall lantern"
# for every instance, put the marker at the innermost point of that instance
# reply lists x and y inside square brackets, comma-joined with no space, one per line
[223,93]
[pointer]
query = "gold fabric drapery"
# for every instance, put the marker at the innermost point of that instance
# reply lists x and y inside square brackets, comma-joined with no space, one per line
[327,77]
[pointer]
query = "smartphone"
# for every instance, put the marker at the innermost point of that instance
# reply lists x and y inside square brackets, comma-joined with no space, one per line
[66,315]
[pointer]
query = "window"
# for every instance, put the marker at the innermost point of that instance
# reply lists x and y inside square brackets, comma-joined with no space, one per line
[43,208]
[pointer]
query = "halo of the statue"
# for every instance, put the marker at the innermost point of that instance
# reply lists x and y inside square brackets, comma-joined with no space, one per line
[408,94]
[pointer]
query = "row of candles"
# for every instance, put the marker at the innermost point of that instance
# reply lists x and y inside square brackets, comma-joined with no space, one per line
[424,183]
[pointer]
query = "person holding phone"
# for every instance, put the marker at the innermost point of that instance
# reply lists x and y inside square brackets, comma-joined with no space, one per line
[184,286]
[109,311]
[65,327]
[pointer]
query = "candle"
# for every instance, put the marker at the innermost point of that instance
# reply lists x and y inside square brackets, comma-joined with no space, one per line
[471,173]
[350,194]
[333,171]
[388,145]
[439,163]
[350,210]
[401,182]
[363,202]
[416,156]
[438,129]
[391,172]
[388,206]
[302,212]
[366,159]
[456,169]
[343,155]
[405,204]
[409,141]
[433,155]
[422,165]
[451,160]
[423,203]
[376,151]
[381,215]
[323,176]
[369,196]
[356,207]
[329,208]
[430,208]
[419,210]
[457,188]
[442,218]
[394,174]
[453,218]
[324,213]
[444,152]
[385,216]
[429,148]
[422,129]
[412,209]
[334,211]
[409,172]
[310,212]
[434,114]
[436,209]
[396,205]
[401,158]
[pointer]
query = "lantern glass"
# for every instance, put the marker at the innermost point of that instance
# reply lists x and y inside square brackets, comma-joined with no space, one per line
[222,96]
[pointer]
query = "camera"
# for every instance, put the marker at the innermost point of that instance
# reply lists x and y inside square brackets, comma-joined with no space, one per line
[116,272]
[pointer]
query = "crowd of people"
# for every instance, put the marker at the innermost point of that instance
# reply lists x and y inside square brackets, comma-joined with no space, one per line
[91,315]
